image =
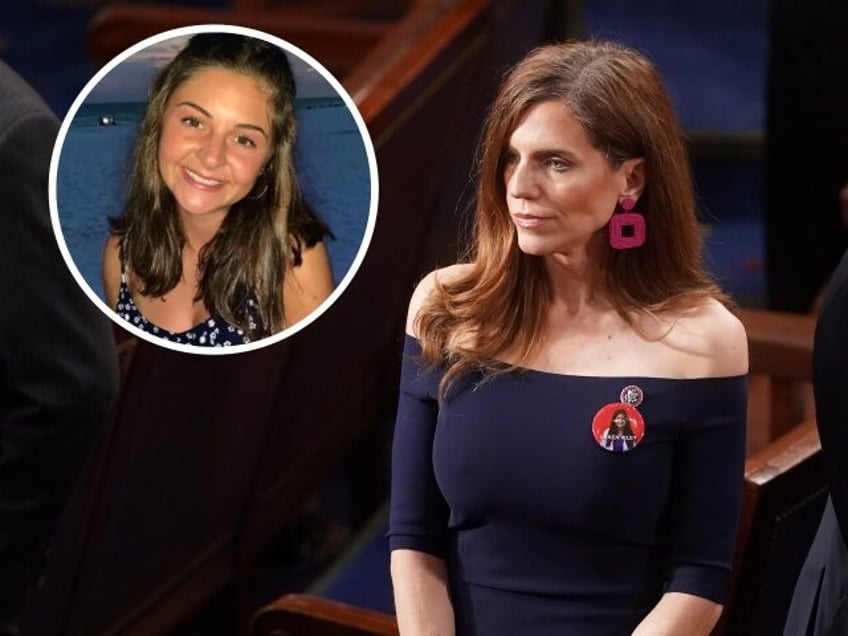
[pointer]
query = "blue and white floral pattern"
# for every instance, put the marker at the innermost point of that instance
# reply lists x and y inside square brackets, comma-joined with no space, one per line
[212,332]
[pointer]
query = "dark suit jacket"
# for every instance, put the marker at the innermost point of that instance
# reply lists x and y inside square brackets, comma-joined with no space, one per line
[806,164]
[820,603]
[57,362]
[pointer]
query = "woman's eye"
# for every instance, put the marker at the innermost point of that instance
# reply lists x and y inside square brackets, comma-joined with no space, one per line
[244,140]
[558,165]
[191,122]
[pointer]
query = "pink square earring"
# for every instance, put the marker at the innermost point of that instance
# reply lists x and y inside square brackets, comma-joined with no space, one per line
[627,229]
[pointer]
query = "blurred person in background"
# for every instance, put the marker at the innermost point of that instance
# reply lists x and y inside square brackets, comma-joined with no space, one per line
[58,369]
[806,159]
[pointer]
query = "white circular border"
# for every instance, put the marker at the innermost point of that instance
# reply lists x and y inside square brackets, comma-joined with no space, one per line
[372,210]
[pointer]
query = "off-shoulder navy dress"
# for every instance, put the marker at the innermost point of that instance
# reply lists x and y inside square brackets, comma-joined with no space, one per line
[544,531]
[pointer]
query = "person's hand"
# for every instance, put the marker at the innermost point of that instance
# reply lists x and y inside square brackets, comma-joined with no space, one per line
[843,203]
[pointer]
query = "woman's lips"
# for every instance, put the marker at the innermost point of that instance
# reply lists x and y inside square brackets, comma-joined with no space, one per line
[529,221]
[199,181]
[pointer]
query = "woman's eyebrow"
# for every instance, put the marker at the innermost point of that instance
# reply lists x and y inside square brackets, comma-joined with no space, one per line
[546,153]
[196,107]
[255,127]
[550,153]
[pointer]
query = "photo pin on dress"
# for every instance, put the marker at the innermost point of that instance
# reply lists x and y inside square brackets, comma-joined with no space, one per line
[619,427]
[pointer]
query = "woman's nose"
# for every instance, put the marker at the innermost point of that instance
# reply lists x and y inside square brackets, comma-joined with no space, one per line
[213,151]
[521,183]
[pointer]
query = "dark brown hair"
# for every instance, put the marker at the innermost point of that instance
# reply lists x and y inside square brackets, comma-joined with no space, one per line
[255,244]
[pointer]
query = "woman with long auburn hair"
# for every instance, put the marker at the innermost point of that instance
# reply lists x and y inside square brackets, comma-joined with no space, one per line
[216,246]
[583,297]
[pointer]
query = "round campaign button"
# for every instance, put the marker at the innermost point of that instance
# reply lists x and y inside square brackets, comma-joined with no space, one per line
[618,427]
[632,395]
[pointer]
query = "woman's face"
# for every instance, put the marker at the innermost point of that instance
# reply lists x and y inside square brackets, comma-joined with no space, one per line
[619,420]
[215,140]
[560,190]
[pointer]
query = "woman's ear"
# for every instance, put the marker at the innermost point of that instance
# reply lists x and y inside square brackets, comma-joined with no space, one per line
[634,177]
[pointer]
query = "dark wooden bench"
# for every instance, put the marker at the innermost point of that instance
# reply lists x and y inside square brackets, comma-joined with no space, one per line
[785,493]
[780,392]
[337,37]
[304,615]
[152,532]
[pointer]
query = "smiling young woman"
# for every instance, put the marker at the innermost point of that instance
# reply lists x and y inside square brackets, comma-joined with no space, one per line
[215,141]
[216,246]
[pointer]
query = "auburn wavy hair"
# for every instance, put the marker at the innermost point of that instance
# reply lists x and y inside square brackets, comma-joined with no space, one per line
[261,236]
[500,304]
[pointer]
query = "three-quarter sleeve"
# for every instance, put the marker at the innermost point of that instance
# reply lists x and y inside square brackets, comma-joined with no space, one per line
[418,515]
[706,490]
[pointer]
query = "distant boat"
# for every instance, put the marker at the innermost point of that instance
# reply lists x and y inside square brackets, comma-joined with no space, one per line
[107,120]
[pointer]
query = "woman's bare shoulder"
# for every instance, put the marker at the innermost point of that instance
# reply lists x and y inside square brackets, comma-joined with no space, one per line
[716,336]
[442,276]
[307,285]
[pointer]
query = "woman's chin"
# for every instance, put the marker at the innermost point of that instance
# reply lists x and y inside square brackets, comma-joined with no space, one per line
[196,210]
[534,246]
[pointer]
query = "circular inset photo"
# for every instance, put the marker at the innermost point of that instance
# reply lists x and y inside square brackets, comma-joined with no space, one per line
[213,189]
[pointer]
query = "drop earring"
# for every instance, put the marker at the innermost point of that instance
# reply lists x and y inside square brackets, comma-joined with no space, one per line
[627,229]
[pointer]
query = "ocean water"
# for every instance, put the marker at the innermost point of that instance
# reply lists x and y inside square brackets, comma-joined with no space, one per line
[330,158]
